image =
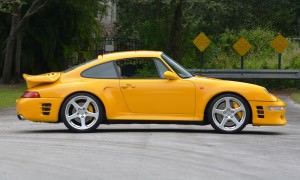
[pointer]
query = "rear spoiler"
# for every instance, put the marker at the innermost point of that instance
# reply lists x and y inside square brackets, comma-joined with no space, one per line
[36,80]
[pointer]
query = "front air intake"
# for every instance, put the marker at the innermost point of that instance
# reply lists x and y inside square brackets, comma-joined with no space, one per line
[46,108]
[260,112]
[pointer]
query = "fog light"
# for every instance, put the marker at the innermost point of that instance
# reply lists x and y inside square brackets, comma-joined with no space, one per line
[275,108]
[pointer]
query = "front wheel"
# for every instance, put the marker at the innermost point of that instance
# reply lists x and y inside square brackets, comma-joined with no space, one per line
[228,113]
[81,112]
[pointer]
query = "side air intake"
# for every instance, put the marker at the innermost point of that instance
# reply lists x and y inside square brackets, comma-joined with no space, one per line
[46,108]
[260,112]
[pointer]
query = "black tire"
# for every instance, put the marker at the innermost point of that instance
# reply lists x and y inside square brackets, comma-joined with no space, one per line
[71,124]
[214,116]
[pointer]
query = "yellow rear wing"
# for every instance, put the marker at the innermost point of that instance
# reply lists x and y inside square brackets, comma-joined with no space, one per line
[35,80]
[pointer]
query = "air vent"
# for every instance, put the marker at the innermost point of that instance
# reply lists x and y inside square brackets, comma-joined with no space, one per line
[46,108]
[260,112]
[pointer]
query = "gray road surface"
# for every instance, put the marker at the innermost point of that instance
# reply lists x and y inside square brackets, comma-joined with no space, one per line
[48,151]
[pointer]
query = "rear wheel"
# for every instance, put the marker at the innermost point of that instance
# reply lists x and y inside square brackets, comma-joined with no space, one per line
[229,113]
[81,112]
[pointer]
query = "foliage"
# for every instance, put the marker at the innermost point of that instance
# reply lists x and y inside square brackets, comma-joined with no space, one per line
[52,43]
[223,21]
[7,5]
[66,30]
[62,31]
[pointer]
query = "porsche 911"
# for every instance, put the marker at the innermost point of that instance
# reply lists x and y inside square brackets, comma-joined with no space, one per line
[144,87]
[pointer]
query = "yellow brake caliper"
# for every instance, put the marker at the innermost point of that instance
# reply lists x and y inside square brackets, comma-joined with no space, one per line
[91,109]
[239,114]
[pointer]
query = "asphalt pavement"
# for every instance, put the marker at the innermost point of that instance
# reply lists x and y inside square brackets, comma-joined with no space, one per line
[48,151]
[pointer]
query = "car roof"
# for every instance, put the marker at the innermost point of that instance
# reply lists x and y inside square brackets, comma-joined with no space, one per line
[113,56]
[128,54]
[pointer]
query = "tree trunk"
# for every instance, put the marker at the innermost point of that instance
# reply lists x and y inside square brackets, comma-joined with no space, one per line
[8,60]
[18,58]
[176,30]
[18,51]
[9,49]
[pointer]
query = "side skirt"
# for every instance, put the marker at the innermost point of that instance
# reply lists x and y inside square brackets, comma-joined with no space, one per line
[154,122]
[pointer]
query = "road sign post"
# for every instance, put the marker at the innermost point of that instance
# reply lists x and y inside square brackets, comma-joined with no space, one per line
[242,46]
[242,62]
[201,58]
[279,61]
[280,44]
[202,42]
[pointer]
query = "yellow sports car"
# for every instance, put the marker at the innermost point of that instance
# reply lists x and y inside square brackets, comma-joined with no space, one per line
[144,87]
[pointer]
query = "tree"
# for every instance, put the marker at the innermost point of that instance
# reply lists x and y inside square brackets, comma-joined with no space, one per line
[171,25]
[176,29]
[157,23]
[63,34]
[13,42]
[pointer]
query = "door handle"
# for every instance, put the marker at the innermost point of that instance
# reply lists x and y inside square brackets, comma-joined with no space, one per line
[125,86]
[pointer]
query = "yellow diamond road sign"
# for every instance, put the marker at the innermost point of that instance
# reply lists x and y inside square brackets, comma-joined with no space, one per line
[242,46]
[280,44]
[202,41]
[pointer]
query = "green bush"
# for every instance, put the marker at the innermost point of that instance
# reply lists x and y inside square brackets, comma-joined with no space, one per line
[220,54]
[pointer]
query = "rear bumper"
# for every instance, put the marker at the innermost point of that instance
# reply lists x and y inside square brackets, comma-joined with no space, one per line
[267,117]
[39,109]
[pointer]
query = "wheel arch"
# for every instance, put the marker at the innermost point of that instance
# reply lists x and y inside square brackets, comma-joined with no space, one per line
[92,94]
[221,93]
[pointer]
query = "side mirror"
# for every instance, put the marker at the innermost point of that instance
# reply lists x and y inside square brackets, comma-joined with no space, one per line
[170,75]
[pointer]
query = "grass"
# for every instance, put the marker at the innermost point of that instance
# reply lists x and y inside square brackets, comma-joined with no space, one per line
[9,94]
[296,96]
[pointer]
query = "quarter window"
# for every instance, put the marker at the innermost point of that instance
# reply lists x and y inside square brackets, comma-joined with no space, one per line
[161,68]
[101,71]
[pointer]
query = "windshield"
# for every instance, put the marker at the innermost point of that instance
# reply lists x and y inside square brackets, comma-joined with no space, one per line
[78,65]
[176,67]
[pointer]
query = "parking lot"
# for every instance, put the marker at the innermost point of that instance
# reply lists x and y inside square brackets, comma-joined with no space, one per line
[48,151]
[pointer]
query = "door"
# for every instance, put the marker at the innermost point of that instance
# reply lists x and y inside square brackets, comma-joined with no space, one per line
[146,91]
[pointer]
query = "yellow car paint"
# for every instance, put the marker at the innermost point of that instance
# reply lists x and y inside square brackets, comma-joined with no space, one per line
[33,81]
[143,99]
[31,109]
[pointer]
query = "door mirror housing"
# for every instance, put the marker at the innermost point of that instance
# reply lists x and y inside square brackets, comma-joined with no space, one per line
[170,75]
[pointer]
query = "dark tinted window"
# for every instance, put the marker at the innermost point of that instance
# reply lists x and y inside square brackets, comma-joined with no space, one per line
[101,71]
[137,68]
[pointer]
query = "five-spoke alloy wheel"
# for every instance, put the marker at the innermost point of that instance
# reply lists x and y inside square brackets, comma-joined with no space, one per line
[228,113]
[81,112]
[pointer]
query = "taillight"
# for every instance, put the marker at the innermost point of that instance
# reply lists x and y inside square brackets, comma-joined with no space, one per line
[31,94]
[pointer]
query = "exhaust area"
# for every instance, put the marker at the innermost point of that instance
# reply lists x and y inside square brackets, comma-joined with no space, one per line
[20,117]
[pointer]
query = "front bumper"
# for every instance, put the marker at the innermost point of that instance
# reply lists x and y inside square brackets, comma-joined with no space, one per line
[39,109]
[264,116]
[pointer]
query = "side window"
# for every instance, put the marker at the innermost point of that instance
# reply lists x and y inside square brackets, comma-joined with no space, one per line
[161,68]
[101,71]
[138,68]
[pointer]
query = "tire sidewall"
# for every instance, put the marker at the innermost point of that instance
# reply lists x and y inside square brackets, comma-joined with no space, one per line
[244,102]
[71,128]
